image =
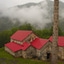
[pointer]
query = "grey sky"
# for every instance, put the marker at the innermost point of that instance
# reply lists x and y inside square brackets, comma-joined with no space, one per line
[10,3]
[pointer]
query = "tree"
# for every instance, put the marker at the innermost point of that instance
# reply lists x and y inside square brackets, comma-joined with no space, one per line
[26,26]
[54,51]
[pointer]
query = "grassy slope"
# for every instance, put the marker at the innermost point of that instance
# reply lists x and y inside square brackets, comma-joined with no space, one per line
[6,58]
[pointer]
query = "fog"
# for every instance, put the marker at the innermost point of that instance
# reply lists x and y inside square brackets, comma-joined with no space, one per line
[37,15]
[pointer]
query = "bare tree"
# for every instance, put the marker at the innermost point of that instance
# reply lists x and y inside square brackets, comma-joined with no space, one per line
[54,51]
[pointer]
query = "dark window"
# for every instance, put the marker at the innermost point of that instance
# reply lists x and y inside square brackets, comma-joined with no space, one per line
[48,55]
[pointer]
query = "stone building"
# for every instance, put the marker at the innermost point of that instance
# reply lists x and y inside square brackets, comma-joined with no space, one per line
[30,52]
[26,44]
[60,46]
[42,47]
[20,43]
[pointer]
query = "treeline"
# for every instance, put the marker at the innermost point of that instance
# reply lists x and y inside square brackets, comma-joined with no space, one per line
[42,33]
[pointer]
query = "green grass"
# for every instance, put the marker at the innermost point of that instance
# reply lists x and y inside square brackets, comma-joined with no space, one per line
[6,58]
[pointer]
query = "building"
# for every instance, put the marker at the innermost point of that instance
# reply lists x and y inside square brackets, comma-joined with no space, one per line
[26,44]
[19,42]
[42,47]
[60,46]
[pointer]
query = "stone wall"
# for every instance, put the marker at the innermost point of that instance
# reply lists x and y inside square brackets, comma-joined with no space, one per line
[61,52]
[42,53]
[16,41]
[18,53]
[24,54]
[30,38]
[29,53]
[9,51]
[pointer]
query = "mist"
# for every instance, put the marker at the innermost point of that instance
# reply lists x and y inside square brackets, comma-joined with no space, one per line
[37,15]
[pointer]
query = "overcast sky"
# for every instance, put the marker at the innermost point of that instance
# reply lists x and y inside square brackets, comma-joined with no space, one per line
[11,3]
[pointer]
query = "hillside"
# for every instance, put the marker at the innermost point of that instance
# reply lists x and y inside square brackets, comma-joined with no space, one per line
[27,5]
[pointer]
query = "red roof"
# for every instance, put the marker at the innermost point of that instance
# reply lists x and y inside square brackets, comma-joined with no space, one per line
[60,40]
[16,47]
[39,43]
[25,46]
[21,35]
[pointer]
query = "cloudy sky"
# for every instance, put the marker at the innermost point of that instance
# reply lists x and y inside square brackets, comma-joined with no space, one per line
[11,3]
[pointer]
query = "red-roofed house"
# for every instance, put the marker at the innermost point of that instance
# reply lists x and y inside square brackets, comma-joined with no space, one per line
[60,46]
[22,36]
[42,47]
[19,44]
[26,44]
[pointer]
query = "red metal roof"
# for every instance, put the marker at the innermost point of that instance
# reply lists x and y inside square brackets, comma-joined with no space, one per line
[60,40]
[16,47]
[21,35]
[38,43]
[25,46]
[13,46]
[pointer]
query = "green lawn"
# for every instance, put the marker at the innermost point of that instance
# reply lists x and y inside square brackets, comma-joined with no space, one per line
[6,58]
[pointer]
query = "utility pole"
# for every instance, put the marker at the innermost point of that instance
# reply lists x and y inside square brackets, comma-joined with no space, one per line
[54,51]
